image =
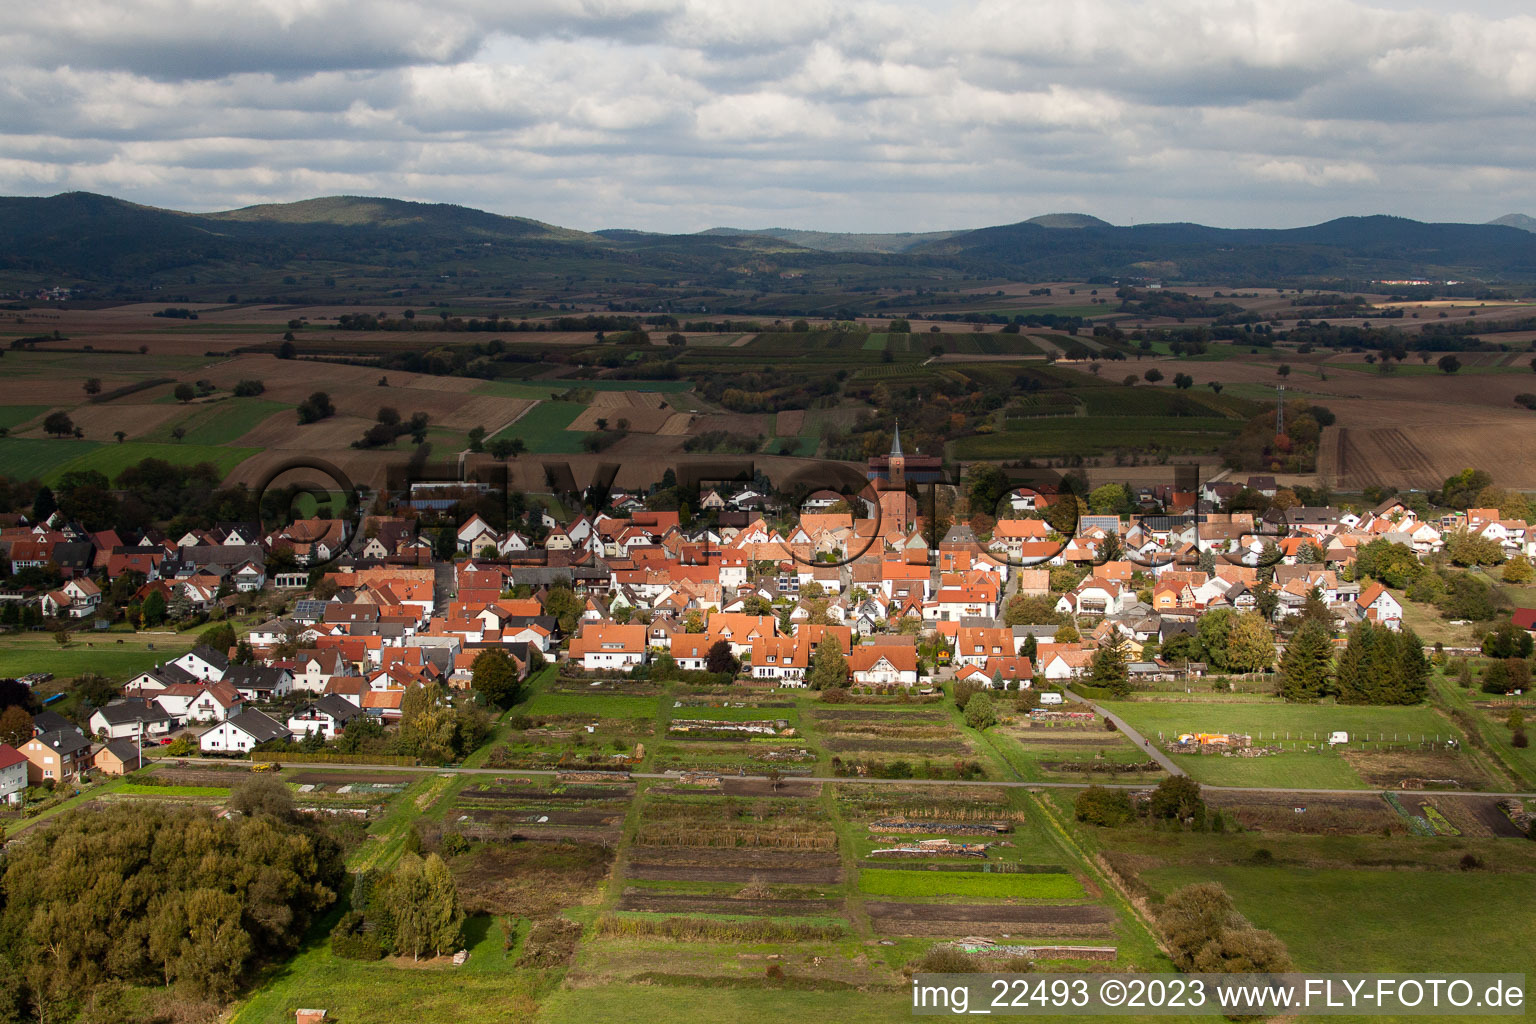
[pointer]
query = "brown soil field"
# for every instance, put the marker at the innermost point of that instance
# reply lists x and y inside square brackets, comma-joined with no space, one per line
[788,423]
[677,425]
[672,903]
[533,816]
[967,919]
[1474,815]
[530,879]
[641,419]
[341,778]
[1389,769]
[762,787]
[698,873]
[201,776]
[1365,814]
[99,421]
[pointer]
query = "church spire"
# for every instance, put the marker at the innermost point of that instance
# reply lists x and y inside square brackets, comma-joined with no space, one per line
[896,440]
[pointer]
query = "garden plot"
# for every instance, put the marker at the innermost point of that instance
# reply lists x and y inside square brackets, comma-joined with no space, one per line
[742,866]
[1035,920]
[527,878]
[1365,814]
[896,744]
[574,740]
[1417,769]
[655,902]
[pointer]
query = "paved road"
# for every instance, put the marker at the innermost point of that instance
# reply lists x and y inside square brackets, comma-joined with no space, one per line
[430,770]
[1131,734]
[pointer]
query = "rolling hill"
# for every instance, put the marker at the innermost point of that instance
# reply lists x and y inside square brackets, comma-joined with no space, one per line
[107,247]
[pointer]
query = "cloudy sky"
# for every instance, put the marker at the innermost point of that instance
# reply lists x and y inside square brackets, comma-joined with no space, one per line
[864,115]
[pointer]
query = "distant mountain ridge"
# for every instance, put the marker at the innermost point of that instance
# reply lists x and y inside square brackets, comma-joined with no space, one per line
[842,241]
[116,246]
[1516,220]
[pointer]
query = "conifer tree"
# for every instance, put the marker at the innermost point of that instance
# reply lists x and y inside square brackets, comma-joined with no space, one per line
[1304,669]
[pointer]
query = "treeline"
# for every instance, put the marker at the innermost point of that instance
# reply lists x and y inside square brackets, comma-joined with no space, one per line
[1179,305]
[444,321]
[156,895]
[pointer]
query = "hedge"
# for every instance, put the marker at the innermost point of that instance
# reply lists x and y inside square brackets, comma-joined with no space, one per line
[331,757]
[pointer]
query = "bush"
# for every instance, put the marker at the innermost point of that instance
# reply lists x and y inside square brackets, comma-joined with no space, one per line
[1178,798]
[1470,862]
[454,844]
[1520,739]
[350,942]
[1107,807]
[980,712]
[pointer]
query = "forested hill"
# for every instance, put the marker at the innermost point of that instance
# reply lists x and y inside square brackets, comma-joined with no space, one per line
[105,246]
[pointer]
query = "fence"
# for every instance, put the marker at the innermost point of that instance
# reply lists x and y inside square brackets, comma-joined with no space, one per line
[334,758]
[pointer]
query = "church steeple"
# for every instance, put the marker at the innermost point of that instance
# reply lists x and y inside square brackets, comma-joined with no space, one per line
[896,440]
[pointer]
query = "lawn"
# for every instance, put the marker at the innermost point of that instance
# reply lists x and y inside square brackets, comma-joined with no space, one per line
[542,428]
[486,990]
[104,658]
[1276,721]
[596,705]
[1323,770]
[112,459]
[221,422]
[1367,920]
[967,885]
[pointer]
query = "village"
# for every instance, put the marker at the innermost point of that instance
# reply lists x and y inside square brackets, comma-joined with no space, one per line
[830,599]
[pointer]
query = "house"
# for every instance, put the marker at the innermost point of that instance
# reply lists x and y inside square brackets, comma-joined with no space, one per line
[1378,605]
[13,775]
[130,719]
[119,757]
[239,734]
[256,682]
[61,756]
[607,645]
[327,715]
[884,664]
[76,599]
[216,703]
[203,662]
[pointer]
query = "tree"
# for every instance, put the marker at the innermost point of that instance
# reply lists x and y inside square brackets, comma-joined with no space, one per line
[1183,381]
[59,424]
[1029,610]
[829,668]
[121,435]
[1106,807]
[1153,375]
[1178,798]
[477,439]
[1250,644]
[445,914]
[152,611]
[407,899]
[184,392]
[1284,370]
[1110,670]
[1214,385]
[1212,632]
[1518,570]
[720,660]
[316,407]
[1382,666]
[980,712]
[1206,934]
[494,678]
[15,725]
[1448,364]
[504,448]
[1304,670]
[1507,640]
[93,385]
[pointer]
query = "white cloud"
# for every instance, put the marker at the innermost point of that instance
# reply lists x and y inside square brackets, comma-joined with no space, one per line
[868,115]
